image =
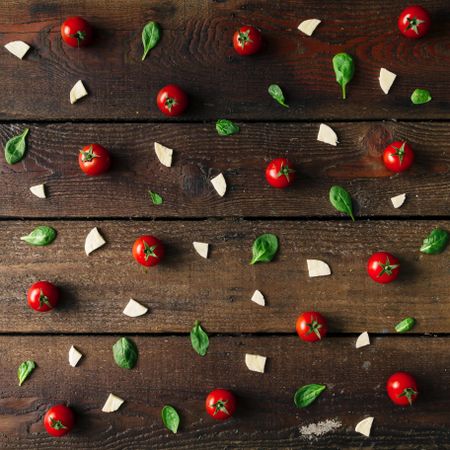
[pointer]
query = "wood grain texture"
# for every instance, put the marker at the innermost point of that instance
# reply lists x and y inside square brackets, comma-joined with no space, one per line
[217,291]
[266,417]
[201,154]
[196,52]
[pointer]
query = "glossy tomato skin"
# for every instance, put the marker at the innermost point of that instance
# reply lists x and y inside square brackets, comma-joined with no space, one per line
[148,250]
[383,267]
[311,326]
[76,32]
[402,388]
[94,160]
[398,156]
[42,296]
[220,404]
[414,22]
[247,40]
[59,420]
[171,100]
[280,173]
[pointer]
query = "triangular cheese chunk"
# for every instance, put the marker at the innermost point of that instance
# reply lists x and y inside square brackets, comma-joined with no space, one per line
[220,185]
[134,309]
[258,298]
[327,135]
[38,190]
[17,48]
[386,79]
[94,240]
[363,340]
[113,403]
[78,91]
[398,200]
[74,356]
[318,268]
[164,154]
[201,248]
[308,26]
[365,426]
[255,363]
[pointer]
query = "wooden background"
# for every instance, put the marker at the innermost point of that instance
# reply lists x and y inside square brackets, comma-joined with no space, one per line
[195,51]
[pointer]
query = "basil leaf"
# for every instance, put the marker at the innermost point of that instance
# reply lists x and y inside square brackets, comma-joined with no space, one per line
[405,325]
[151,34]
[41,235]
[24,370]
[170,418]
[156,198]
[435,242]
[420,96]
[199,339]
[16,147]
[341,200]
[344,68]
[276,93]
[125,353]
[264,248]
[307,394]
[226,127]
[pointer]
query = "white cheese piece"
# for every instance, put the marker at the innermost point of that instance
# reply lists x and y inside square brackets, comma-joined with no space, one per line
[164,154]
[363,340]
[308,26]
[317,268]
[327,135]
[201,248]
[17,48]
[78,91]
[364,426]
[387,79]
[134,309]
[74,356]
[94,240]
[258,298]
[398,200]
[113,403]
[255,363]
[38,190]
[220,185]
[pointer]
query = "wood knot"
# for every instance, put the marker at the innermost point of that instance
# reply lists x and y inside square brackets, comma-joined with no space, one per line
[376,140]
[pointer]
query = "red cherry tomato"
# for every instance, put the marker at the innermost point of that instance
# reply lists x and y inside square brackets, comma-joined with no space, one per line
[280,173]
[59,420]
[94,160]
[383,267]
[76,32]
[247,40]
[171,100]
[311,326]
[398,156]
[402,388]
[220,404]
[148,250]
[42,296]
[414,22]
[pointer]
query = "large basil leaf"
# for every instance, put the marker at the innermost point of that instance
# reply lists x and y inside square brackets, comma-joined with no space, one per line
[151,35]
[341,200]
[264,248]
[125,353]
[276,93]
[307,394]
[435,242]
[170,418]
[41,235]
[199,339]
[16,147]
[24,370]
[344,68]
[226,127]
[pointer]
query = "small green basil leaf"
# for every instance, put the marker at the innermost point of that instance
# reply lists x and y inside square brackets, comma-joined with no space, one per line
[276,92]
[199,339]
[41,235]
[16,147]
[24,370]
[125,353]
[151,35]
[264,248]
[405,325]
[435,242]
[170,418]
[341,200]
[156,198]
[344,68]
[420,96]
[307,394]
[226,127]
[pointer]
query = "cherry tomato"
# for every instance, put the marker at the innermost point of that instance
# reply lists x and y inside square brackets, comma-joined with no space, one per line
[414,22]
[42,296]
[171,100]
[280,173]
[383,267]
[220,404]
[402,388]
[148,250]
[94,160]
[59,420]
[76,32]
[247,40]
[311,326]
[398,156]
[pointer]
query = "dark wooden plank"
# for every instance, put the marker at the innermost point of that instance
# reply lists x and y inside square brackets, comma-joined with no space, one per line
[217,291]
[196,52]
[200,154]
[168,372]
